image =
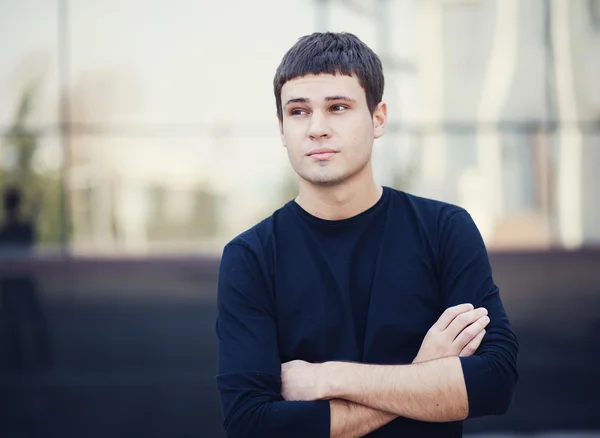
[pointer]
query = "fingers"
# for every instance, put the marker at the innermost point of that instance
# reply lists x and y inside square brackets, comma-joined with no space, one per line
[471,347]
[470,333]
[449,314]
[462,321]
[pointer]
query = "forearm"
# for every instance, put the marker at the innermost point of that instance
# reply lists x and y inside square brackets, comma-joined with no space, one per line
[350,420]
[432,391]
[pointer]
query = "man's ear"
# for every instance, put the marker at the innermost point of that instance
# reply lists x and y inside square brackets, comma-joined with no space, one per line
[379,119]
[281,131]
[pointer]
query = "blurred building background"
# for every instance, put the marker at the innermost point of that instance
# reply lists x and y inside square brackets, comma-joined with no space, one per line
[150,126]
[141,129]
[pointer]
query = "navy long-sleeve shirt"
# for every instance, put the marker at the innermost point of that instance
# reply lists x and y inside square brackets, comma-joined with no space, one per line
[364,289]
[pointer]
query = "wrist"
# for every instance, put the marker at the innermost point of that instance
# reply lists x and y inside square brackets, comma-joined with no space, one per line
[329,380]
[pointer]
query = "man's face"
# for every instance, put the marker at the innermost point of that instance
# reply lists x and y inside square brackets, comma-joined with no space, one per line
[327,127]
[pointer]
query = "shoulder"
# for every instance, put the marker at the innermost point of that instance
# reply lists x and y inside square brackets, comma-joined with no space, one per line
[258,237]
[433,213]
[258,241]
[247,263]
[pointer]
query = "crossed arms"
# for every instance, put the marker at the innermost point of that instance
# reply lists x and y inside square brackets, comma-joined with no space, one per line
[263,398]
[366,397]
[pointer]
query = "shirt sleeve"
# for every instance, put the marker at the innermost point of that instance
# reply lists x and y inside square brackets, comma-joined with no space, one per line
[249,369]
[466,277]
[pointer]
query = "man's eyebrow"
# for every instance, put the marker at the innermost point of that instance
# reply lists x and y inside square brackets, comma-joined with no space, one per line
[345,98]
[327,99]
[297,100]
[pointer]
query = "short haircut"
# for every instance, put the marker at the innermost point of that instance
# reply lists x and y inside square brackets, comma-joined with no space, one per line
[331,53]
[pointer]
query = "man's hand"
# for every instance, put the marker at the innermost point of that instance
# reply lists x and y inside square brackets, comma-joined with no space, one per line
[458,332]
[301,380]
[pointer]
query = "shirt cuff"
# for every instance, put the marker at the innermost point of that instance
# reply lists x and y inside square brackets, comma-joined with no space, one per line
[481,386]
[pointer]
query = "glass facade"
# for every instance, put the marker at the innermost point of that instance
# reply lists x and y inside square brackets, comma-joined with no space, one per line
[145,127]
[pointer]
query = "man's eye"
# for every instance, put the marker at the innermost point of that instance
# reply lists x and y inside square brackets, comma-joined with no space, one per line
[338,108]
[297,112]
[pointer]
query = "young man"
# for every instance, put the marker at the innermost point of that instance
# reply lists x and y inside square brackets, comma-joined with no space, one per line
[355,309]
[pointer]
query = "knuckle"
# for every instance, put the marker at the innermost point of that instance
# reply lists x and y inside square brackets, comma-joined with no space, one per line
[460,344]
[450,312]
[464,318]
[472,331]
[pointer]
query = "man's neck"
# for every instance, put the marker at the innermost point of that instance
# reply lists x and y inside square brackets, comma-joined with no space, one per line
[340,201]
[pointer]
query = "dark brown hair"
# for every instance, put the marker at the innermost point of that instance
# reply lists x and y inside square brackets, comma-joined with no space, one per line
[332,53]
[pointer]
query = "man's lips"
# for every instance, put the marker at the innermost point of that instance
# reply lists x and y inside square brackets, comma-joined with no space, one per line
[322,154]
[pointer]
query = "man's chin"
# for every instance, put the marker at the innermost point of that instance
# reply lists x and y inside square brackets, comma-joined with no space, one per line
[325,180]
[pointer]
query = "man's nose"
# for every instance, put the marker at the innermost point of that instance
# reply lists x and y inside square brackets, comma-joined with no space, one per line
[318,128]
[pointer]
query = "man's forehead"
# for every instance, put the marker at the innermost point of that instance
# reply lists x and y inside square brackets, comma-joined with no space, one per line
[321,86]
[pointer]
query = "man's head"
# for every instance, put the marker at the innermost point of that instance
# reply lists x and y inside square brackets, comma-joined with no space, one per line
[328,90]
